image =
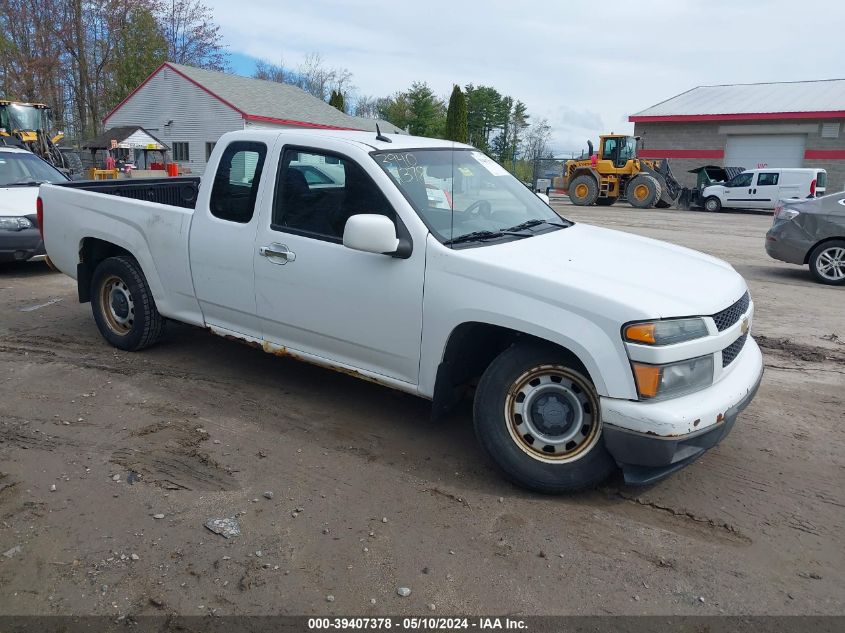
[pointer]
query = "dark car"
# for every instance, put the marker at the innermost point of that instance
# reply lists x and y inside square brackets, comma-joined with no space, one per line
[811,232]
[21,173]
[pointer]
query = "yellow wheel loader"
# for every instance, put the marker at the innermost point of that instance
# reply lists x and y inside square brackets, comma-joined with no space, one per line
[615,171]
[28,125]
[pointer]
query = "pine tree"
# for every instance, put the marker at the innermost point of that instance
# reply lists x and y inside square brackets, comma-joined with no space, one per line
[456,117]
[336,100]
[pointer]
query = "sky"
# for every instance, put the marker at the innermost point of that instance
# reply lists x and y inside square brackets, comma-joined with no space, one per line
[583,66]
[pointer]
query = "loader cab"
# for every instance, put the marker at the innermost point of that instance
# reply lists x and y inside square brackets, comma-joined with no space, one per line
[618,149]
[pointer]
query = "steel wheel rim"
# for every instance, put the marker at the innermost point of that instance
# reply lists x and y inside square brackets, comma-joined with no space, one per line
[116,305]
[710,205]
[581,190]
[831,263]
[552,415]
[641,192]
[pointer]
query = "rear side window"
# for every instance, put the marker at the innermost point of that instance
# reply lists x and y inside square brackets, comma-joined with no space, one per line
[821,180]
[767,179]
[236,181]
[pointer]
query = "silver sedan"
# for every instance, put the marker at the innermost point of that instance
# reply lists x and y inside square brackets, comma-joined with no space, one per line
[811,232]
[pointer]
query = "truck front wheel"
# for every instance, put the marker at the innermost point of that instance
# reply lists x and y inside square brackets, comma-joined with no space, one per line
[583,190]
[713,204]
[123,305]
[539,420]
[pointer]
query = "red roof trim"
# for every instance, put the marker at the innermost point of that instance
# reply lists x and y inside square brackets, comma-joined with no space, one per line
[681,153]
[825,154]
[270,119]
[743,116]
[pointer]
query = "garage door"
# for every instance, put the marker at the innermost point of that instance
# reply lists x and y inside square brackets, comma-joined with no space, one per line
[765,150]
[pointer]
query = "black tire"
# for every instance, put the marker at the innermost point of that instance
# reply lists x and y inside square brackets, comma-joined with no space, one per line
[827,263]
[605,202]
[583,190]
[123,306]
[643,191]
[507,437]
[713,204]
[73,162]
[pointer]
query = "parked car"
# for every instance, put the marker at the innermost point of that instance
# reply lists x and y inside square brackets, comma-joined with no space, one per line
[21,172]
[762,188]
[812,233]
[579,361]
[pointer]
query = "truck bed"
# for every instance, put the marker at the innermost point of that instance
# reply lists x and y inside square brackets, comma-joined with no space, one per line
[79,215]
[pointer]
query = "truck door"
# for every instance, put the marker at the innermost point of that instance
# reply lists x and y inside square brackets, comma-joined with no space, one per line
[223,236]
[316,296]
[765,190]
[738,191]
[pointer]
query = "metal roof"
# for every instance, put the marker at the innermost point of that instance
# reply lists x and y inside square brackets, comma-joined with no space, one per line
[268,101]
[798,99]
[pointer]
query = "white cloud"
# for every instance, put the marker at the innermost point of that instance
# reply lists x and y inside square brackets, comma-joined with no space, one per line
[584,67]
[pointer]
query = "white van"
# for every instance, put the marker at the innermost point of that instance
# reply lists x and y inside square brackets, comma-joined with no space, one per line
[762,188]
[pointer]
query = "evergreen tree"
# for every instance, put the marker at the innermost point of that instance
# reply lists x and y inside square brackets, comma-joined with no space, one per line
[456,117]
[140,49]
[337,101]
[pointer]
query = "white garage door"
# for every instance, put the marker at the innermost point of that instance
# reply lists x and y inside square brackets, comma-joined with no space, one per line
[765,150]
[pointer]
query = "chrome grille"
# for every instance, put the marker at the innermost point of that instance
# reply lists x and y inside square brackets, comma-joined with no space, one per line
[733,350]
[729,316]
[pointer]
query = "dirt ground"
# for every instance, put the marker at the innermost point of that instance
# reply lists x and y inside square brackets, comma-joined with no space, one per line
[368,495]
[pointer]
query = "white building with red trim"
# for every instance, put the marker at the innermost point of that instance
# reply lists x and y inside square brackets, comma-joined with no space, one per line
[190,108]
[787,124]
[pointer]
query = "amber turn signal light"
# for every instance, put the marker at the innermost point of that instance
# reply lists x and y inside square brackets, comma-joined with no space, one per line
[641,333]
[648,379]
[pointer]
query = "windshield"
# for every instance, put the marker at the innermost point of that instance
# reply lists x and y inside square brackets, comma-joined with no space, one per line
[462,193]
[22,169]
[628,150]
[23,117]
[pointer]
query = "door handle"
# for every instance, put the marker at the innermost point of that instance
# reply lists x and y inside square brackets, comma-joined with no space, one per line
[278,250]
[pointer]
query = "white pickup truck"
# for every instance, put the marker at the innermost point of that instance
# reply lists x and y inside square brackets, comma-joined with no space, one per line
[423,265]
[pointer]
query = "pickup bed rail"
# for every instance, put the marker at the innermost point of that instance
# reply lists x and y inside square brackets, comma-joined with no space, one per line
[177,192]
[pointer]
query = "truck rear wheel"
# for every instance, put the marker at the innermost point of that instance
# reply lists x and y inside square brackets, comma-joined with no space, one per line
[643,191]
[583,190]
[539,420]
[123,305]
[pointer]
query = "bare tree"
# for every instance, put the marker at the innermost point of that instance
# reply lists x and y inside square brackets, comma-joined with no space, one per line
[535,145]
[274,72]
[319,80]
[367,107]
[193,38]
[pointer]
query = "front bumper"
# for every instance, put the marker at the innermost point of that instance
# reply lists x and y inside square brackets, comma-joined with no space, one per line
[19,246]
[679,430]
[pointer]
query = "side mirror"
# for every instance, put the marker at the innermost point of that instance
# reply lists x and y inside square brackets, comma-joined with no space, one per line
[371,233]
[543,197]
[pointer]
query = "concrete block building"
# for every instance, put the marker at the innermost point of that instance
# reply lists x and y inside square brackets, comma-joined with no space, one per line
[790,124]
[189,108]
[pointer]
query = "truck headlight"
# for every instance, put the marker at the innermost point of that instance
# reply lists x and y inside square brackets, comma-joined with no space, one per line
[15,223]
[673,379]
[665,332]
